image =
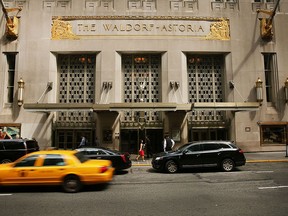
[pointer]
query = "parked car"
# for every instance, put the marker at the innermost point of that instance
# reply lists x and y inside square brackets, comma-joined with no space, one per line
[70,169]
[223,154]
[12,149]
[119,160]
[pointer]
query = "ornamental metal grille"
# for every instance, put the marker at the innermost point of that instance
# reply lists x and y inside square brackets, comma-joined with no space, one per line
[76,85]
[205,78]
[141,76]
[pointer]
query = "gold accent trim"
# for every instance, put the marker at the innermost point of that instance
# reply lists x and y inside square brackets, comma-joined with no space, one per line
[62,30]
[219,30]
[67,18]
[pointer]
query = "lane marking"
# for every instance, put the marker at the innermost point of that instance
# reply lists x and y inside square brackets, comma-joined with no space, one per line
[274,187]
[5,194]
[267,171]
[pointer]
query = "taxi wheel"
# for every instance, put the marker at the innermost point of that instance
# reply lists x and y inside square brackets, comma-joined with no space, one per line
[71,184]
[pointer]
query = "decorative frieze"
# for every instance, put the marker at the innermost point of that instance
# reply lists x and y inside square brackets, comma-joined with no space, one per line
[83,27]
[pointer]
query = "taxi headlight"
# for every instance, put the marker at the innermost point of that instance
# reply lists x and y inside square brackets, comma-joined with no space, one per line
[158,158]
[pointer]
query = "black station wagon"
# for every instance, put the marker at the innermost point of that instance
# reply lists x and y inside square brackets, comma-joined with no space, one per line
[12,149]
[223,154]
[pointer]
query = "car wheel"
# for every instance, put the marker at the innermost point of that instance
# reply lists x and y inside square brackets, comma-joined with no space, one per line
[171,166]
[4,161]
[71,184]
[227,165]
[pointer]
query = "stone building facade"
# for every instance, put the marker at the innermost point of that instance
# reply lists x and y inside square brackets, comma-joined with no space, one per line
[118,71]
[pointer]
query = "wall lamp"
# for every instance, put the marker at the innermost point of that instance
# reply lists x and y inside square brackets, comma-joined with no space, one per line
[259,90]
[21,84]
[286,90]
[175,85]
[107,85]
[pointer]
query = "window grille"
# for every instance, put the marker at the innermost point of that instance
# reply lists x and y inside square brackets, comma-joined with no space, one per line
[11,58]
[145,5]
[205,78]
[271,76]
[141,77]
[183,5]
[76,85]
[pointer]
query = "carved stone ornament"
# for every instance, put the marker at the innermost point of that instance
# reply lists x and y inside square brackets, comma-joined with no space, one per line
[62,30]
[219,31]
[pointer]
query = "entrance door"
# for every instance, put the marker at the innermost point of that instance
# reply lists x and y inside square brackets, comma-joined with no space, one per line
[71,138]
[130,139]
[208,134]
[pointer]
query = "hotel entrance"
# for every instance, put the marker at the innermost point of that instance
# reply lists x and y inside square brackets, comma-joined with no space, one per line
[130,139]
[71,138]
[197,134]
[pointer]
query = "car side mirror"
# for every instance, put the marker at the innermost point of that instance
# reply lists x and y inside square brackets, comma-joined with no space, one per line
[185,151]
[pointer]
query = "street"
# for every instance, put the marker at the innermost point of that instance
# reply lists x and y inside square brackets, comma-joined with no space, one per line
[254,189]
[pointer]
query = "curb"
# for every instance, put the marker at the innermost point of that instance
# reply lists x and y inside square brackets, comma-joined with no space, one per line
[247,161]
[267,161]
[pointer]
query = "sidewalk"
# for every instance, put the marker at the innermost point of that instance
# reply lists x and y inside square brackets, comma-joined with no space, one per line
[251,157]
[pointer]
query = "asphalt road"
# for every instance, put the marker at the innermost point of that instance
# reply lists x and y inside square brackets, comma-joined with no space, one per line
[254,189]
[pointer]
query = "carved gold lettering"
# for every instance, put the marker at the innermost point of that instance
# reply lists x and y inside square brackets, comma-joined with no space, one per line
[201,28]
[122,27]
[182,28]
[189,28]
[129,27]
[107,27]
[115,28]
[137,27]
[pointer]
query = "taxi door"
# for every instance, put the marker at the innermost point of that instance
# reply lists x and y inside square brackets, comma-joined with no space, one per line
[53,166]
[22,172]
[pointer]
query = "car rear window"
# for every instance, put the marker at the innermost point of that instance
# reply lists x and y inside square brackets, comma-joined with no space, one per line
[1,146]
[14,145]
[225,146]
[32,144]
[233,145]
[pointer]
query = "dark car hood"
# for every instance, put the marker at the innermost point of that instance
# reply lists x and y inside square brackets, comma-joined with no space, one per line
[170,153]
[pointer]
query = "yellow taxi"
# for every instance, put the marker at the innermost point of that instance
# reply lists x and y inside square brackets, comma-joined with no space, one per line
[70,169]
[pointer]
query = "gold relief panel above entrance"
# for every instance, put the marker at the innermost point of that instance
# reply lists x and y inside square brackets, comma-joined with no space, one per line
[91,27]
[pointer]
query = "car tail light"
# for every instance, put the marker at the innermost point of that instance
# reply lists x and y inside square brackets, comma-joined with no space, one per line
[123,158]
[241,151]
[103,169]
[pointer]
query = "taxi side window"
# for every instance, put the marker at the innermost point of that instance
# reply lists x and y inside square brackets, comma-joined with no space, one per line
[53,160]
[27,162]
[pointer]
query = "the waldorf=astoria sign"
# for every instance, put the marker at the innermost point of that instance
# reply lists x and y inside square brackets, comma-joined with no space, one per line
[90,27]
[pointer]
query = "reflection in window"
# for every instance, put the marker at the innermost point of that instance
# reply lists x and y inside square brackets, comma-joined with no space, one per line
[273,134]
[271,76]
[53,160]
[27,162]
